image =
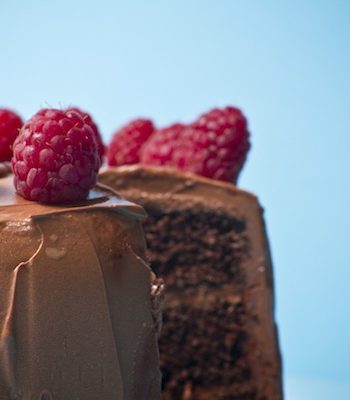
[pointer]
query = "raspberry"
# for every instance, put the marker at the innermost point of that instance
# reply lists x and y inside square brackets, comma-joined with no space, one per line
[214,146]
[89,121]
[160,148]
[10,124]
[219,144]
[127,142]
[55,157]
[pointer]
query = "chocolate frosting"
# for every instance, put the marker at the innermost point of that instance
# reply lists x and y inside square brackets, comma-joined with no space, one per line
[77,316]
[168,185]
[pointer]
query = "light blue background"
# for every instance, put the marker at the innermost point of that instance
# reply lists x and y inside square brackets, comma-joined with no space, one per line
[286,64]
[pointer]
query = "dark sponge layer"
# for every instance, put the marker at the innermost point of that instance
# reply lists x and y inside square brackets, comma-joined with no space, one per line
[205,348]
[204,341]
[196,247]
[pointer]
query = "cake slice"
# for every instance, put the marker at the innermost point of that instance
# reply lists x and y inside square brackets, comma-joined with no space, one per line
[79,307]
[207,240]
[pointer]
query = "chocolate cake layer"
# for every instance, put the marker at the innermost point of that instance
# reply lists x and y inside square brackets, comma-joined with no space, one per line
[177,259]
[207,239]
[5,169]
[79,307]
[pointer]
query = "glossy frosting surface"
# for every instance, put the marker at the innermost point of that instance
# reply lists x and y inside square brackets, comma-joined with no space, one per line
[79,308]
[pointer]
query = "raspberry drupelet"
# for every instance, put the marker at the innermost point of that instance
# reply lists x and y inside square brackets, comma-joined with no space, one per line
[55,157]
[10,124]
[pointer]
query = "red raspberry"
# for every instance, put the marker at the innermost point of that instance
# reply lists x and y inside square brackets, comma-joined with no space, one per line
[219,144]
[10,124]
[88,120]
[160,148]
[214,146]
[55,157]
[127,142]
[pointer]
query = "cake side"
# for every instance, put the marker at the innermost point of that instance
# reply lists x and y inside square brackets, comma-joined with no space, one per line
[5,169]
[219,338]
[77,314]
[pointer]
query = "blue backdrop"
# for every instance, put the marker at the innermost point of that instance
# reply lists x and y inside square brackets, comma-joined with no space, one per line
[286,64]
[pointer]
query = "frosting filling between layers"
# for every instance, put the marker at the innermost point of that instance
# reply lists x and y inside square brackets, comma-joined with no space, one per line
[77,316]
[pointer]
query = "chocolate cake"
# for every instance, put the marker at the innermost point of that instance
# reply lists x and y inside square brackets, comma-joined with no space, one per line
[79,307]
[5,169]
[207,240]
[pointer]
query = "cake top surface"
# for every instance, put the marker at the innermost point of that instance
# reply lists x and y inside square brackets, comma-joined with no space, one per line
[172,185]
[100,197]
[161,179]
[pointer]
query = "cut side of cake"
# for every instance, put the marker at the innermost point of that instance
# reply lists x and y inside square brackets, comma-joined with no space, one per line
[207,240]
[79,307]
[5,169]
